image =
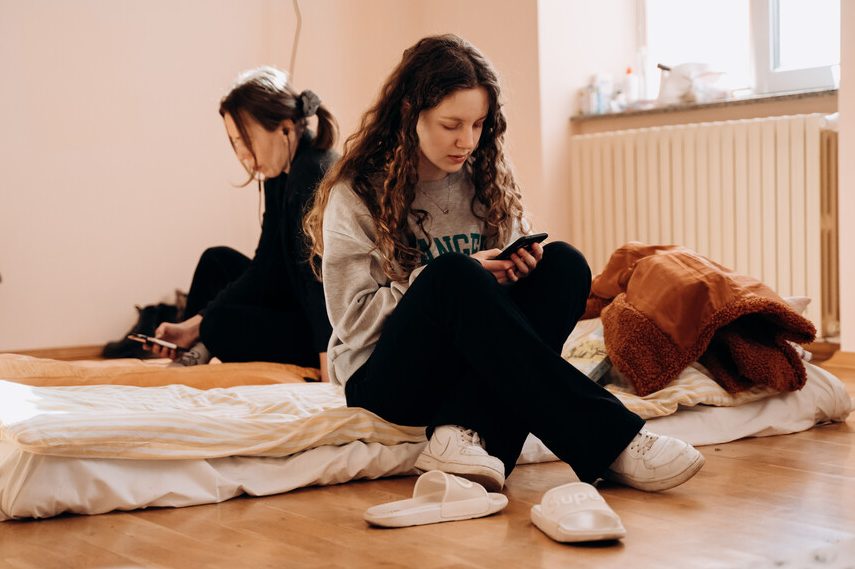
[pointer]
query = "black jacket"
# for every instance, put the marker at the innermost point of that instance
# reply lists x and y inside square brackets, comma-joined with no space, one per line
[279,275]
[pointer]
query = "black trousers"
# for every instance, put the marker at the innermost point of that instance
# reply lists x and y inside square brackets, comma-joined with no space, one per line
[259,329]
[218,267]
[461,349]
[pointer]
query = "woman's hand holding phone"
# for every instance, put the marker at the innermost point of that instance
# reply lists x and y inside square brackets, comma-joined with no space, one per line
[515,261]
[185,334]
[522,242]
[498,268]
[525,260]
[510,270]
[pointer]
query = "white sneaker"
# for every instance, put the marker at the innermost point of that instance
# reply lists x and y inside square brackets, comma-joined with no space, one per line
[654,462]
[456,450]
[197,355]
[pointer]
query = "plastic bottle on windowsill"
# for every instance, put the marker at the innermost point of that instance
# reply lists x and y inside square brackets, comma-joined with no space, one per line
[631,88]
[588,100]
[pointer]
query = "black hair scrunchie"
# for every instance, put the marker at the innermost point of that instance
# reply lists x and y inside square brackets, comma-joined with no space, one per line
[308,103]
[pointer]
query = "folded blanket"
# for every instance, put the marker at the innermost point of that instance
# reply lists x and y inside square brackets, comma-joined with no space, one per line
[664,307]
[148,373]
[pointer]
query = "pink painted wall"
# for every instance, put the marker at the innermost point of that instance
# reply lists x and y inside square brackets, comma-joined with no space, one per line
[116,172]
[577,39]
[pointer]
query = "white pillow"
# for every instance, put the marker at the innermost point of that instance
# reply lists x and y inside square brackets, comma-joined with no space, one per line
[798,303]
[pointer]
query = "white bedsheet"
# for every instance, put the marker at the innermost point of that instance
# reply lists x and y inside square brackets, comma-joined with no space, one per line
[37,486]
[823,399]
[176,422]
[40,486]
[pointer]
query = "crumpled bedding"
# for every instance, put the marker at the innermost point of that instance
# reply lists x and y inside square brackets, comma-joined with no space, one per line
[178,422]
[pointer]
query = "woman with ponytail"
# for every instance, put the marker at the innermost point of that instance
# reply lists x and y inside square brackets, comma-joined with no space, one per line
[269,308]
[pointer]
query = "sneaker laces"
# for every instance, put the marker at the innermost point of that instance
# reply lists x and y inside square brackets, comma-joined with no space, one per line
[643,441]
[196,355]
[468,436]
[190,358]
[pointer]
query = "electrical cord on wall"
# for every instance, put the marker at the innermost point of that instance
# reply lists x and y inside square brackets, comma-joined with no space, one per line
[298,14]
[295,45]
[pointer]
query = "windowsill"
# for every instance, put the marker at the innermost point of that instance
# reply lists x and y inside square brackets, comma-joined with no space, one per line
[754,99]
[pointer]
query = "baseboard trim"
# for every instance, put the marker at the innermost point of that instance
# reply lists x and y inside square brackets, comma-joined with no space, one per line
[822,351]
[841,359]
[67,353]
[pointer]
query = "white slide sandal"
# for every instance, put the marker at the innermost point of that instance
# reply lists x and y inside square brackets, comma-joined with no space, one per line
[576,512]
[437,497]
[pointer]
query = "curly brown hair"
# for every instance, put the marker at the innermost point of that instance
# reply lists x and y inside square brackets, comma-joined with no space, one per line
[380,161]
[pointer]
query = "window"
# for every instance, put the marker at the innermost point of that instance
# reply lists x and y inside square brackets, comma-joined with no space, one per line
[797,44]
[764,45]
[714,32]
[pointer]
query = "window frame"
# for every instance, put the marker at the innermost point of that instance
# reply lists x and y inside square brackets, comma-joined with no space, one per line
[764,43]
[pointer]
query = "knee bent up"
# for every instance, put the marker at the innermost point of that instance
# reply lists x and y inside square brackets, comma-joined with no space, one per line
[457,275]
[216,254]
[567,256]
[455,267]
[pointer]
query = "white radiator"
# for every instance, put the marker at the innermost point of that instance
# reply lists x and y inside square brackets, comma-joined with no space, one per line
[745,193]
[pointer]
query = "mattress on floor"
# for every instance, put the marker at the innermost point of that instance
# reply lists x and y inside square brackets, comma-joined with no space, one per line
[39,485]
[176,422]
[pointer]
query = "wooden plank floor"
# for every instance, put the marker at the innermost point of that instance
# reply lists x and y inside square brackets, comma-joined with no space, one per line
[753,500]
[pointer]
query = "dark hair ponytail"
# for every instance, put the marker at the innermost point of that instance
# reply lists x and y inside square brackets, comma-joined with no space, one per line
[265,95]
[327,133]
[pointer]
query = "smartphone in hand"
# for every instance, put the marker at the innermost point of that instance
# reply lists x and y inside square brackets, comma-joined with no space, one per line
[523,242]
[151,340]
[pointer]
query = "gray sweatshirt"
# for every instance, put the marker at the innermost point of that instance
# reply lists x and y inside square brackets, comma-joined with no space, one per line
[358,293]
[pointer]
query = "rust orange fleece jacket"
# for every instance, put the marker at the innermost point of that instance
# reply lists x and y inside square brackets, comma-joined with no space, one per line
[665,306]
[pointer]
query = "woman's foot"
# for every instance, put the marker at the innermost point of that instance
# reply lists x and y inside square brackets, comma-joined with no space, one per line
[456,450]
[654,462]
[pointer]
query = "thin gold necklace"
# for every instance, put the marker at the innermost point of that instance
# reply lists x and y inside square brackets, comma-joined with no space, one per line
[447,207]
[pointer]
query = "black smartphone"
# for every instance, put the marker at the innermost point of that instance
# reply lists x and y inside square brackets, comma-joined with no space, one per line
[150,340]
[523,242]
